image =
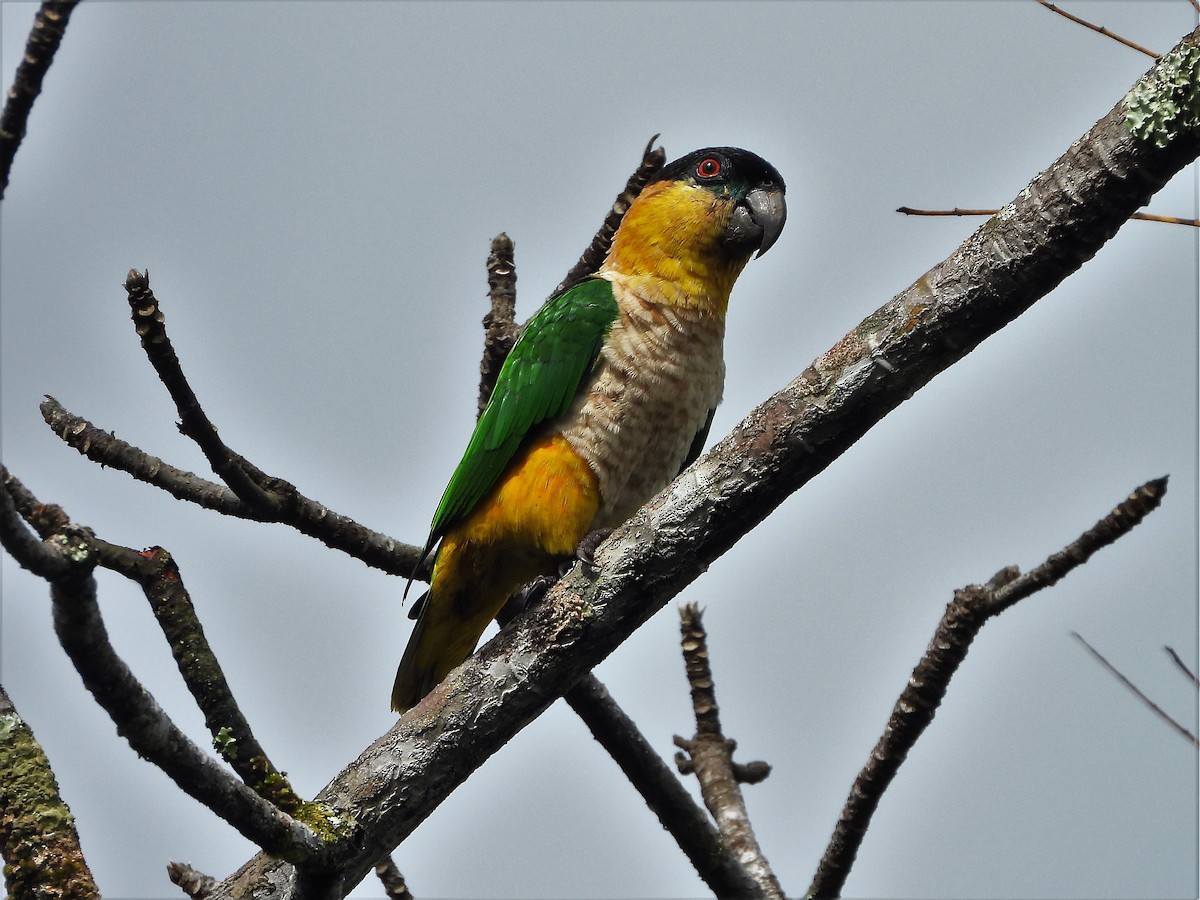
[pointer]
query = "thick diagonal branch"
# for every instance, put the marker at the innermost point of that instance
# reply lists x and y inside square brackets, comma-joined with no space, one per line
[1059,221]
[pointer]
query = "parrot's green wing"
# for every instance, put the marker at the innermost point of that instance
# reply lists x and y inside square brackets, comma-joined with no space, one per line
[538,381]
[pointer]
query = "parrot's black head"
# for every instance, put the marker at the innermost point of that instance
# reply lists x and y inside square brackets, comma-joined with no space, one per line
[746,179]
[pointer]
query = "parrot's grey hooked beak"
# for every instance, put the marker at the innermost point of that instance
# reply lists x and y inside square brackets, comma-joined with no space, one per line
[758,219]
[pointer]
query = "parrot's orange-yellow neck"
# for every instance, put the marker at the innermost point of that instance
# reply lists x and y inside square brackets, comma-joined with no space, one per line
[669,245]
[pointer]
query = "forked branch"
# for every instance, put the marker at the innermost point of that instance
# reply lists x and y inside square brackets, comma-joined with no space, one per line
[138,717]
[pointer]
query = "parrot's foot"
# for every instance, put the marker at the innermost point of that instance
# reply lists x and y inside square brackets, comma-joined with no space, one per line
[533,592]
[586,551]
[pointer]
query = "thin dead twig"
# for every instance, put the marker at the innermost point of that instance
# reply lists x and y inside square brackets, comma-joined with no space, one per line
[194,423]
[500,329]
[155,571]
[137,715]
[1099,29]
[1145,217]
[1146,701]
[1179,662]
[653,159]
[394,885]
[661,789]
[191,881]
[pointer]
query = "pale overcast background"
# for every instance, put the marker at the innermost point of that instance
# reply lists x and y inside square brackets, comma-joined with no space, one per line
[313,188]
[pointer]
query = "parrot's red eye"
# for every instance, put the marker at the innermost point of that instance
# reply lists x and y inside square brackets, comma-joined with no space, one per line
[709,167]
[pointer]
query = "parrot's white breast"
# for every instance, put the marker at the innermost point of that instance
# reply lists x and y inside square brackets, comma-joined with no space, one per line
[660,373]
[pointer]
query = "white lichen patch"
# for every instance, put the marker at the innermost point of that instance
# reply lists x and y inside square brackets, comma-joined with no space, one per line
[1166,104]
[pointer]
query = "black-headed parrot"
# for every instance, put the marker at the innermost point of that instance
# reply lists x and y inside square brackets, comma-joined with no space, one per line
[606,396]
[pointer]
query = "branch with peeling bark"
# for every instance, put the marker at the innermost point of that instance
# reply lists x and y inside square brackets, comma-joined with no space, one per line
[1059,221]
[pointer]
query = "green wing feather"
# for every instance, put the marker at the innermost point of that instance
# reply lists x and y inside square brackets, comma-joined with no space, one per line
[543,372]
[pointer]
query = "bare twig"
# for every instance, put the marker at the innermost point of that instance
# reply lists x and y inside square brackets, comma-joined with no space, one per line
[194,423]
[394,886]
[653,159]
[1099,29]
[710,757]
[666,797]
[1124,518]
[1145,217]
[1183,666]
[38,839]
[139,718]
[661,789]
[192,882]
[966,614]
[150,732]
[49,25]
[1120,676]
[159,577]
[500,329]
[305,515]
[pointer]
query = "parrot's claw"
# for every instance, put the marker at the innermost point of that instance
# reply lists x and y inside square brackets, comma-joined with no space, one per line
[419,606]
[586,551]
[532,593]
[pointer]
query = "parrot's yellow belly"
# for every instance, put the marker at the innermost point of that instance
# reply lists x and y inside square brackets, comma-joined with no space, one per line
[541,508]
[534,516]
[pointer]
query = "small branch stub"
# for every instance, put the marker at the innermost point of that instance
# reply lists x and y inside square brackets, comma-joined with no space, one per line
[709,755]
[500,329]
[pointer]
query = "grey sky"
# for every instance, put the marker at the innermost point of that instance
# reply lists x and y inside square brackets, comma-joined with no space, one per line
[313,188]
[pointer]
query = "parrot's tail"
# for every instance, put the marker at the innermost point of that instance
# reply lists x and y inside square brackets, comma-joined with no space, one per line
[446,633]
[418,672]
